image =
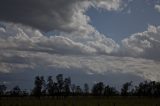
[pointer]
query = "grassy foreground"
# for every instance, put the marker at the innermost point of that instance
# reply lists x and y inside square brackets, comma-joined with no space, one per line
[81,101]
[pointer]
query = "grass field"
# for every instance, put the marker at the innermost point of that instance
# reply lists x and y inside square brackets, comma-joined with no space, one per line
[81,101]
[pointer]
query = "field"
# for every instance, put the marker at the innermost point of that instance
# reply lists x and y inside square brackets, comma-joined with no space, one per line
[81,101]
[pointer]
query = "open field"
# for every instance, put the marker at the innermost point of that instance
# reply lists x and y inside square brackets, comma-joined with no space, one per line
[81,101]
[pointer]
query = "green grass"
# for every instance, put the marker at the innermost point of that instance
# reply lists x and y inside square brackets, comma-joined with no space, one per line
[81,101]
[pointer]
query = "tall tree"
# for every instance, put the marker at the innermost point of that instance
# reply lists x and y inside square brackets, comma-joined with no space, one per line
[86,88]
[67,84]
[126,88]
[50,86]
[39,85]
[2,89]
[98,89]
[110,91]
[148,88]
[78,90]
[73,88]
[60,83]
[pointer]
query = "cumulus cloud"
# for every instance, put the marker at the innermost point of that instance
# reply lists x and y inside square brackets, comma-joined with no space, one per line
[23,48]
[157,7]
[53,14]
[67,17]
[24,38]
[144,44]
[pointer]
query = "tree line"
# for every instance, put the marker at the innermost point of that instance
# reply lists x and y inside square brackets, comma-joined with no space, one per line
[63,87]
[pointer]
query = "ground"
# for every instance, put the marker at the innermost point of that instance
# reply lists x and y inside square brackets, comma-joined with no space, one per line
[81,101]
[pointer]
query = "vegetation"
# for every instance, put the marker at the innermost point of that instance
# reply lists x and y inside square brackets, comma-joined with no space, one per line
[63,87]
[80,101]
[62,92]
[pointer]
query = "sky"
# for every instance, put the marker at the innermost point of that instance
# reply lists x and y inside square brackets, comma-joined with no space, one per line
[135,18]
[88,40]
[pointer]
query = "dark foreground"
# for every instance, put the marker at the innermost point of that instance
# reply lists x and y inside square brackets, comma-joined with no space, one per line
[81,101]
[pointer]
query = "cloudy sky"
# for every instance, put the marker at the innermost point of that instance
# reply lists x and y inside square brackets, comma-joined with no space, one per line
[90,40]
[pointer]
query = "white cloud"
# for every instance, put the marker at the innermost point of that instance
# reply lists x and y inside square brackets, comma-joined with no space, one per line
[24,38]
[25,48]
[109,4]
[145,44]
[157,7]
[78,35]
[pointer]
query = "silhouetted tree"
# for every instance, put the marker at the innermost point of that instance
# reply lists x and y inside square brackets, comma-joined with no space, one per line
[148,88]
[60,83]
[67,84]
[78,90]
[98,89]
[16,91]
[63,87]
[86,89]
[142,89]
[110,91]
[39,85]
[56,89]
[2,90]
[73,88]
[125,89]
[157,89]
[50,86]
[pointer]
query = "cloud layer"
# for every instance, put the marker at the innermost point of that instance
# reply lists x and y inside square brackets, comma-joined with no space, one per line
[144,44]
[78,45]
[23,38]
[53,14]
[14,61]
[26,48]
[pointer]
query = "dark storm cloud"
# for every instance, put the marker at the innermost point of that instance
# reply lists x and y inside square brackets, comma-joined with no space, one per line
[52,14]
[42,14]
